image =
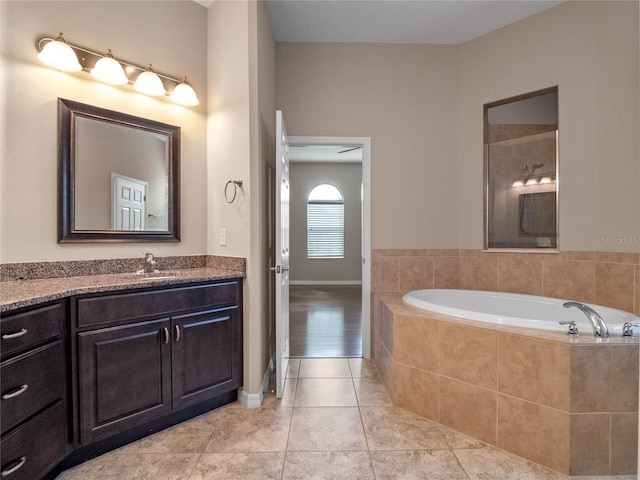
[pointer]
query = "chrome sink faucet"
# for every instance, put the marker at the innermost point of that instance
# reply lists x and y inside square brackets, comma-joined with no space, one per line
[150,263]
[600,328]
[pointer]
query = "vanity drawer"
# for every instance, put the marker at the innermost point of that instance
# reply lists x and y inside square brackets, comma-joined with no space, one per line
[109,309]
[36,447]
[20,331]
[30,382]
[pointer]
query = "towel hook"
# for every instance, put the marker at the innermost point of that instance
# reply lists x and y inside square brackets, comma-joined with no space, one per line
[236,184]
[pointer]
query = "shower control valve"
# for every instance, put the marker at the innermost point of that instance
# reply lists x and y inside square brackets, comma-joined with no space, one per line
[573,327]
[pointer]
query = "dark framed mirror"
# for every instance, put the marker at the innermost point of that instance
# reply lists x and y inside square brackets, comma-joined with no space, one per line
[521,172]
[119,176]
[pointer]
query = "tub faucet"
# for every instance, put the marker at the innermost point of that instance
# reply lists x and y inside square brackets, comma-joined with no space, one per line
[597,322]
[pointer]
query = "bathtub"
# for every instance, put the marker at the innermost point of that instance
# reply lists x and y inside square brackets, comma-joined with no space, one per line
[518,310]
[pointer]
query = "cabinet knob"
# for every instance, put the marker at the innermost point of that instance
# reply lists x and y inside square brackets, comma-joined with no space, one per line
[13,466]
[14,393]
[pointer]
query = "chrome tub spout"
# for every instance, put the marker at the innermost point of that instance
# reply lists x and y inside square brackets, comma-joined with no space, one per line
[600,328]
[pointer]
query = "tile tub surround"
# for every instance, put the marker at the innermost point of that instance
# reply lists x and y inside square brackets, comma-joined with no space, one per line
[604,278]
[568,404]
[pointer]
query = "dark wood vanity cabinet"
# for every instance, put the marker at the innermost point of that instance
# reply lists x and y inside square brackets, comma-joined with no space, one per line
[155,352]
[33,401]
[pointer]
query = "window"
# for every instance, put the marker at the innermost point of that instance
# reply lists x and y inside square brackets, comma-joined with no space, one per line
[325,222]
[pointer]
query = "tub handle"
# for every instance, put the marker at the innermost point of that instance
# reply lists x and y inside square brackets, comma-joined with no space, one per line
[627,330]
[573,327]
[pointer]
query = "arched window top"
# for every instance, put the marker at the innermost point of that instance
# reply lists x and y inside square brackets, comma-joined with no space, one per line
[325,193]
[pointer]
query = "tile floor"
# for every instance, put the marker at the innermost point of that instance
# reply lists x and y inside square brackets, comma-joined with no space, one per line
[335,421]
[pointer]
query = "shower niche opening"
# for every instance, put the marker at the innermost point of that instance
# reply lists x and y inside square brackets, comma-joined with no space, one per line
[521,172]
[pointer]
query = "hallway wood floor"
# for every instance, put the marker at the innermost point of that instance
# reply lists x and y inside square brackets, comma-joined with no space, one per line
[325,321]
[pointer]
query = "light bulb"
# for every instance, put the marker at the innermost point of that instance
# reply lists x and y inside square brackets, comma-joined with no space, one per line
[532,181]
[58,54]
[109,70]
[517,183]
[149,83]
[545,180]
[184,94]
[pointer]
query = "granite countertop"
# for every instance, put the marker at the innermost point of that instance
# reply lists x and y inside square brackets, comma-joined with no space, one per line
[24,293]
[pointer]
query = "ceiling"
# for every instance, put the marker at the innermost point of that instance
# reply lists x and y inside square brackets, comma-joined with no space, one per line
[395,21]
[325,153]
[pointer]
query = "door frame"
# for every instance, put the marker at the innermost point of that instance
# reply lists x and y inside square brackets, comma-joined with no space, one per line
[365,142]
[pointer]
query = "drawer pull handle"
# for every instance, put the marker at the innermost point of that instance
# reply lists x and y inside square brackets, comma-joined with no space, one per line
[176,329]
[165,335]
[18,464]
[8,336]
[18,391]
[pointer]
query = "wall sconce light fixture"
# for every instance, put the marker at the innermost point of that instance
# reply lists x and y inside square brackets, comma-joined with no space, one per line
[59,54]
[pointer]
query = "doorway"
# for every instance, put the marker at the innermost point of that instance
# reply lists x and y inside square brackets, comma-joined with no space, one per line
[330,315]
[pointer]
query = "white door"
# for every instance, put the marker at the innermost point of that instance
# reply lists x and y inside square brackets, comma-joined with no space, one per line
[281,268]
[129,198]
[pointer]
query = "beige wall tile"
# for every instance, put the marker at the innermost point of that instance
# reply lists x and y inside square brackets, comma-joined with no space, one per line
[534,370]
[375,271]
[415,342]
[446,272]
[589,444]
[468,409]
[624,443]
[534,432]
[416,390]
[623,378]
[479,273]
[520,275]
[590,372]
[581,256]
[389,274]
[415,273]
[569,280]
[615,285]
[387,329]
[637,290]
[469,354]
[618,257]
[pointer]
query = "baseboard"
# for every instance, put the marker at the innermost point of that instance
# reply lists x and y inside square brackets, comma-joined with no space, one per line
[254,400]
[325,282]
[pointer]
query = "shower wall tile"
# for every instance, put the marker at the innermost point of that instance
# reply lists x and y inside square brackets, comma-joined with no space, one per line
[581,256]
[479,419]
[520,275]
[478,273]
[614,285]
[617,257]
[419,339]
[535,432]
[534,370]
[416,391]
[590,372]
[590,444]
[624,439]
[446,272]
[469,354]
[575,280]
[415,273]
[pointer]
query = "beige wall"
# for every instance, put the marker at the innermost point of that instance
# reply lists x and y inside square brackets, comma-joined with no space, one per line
[422,106]
[140,32]
[403,97]
[241,127]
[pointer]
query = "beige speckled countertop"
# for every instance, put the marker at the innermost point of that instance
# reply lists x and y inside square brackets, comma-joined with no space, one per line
[25,293]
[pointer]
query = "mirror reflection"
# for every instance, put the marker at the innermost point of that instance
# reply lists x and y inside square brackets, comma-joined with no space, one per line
[521,172]
[118,176]
[121,177]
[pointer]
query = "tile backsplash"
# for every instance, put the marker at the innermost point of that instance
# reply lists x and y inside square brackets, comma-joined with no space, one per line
[604,278]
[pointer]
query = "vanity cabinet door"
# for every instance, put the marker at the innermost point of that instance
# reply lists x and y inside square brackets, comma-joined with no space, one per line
[206,355]
[125,377]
